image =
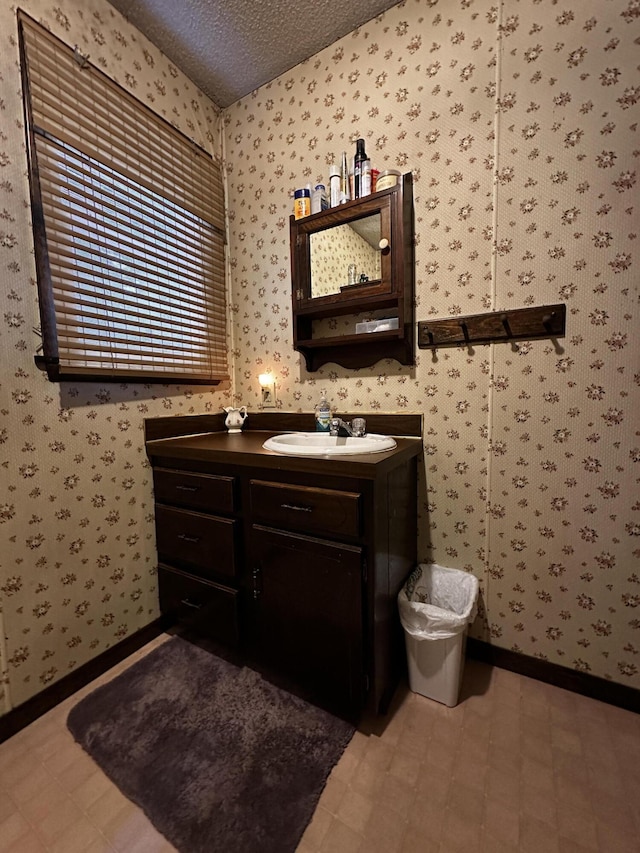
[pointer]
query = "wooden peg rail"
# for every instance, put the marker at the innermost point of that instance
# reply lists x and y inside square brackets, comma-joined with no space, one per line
[515,324]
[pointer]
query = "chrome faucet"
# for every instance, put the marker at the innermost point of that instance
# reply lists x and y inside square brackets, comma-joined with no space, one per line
[357,428]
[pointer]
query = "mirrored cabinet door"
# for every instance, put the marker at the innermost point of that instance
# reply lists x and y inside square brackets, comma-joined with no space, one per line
[342,253]
[345,256]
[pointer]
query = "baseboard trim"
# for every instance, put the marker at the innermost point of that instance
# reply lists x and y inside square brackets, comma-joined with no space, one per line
[552,673]
[578,682]
[21,716]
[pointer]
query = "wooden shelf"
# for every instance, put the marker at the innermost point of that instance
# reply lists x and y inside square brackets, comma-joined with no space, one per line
[364,338]
[327,306]
[357,351]
[514,324]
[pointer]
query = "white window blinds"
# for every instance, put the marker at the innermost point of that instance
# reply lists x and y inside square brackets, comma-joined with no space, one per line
[129,228]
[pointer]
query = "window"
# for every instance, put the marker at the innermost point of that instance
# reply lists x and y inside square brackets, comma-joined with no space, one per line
[128,219]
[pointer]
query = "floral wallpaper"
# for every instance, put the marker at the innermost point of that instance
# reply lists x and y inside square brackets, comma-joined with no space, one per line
[77,541]
[518,119]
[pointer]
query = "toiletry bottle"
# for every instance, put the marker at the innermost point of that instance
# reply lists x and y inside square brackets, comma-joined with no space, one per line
[334,185]
[301,203]
[366,183]
[318,198]
[359,168]
[323,414]
[345,192]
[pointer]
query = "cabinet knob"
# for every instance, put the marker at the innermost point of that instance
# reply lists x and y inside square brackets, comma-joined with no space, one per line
[383,244]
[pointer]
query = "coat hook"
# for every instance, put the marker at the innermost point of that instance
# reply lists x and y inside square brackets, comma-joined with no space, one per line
[432,344]
[467,338]
[505,323]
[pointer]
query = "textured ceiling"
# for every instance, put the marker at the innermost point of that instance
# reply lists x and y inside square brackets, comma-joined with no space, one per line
[231,47]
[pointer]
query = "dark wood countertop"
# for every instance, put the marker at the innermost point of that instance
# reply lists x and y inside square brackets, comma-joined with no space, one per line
[204,438]
[245,449]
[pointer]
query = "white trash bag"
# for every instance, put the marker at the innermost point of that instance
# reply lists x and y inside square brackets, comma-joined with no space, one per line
[437,603]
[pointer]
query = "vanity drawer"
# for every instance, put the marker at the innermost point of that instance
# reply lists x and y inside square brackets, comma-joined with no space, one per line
[205,544]
[326,511]
[210,608]
[206,492]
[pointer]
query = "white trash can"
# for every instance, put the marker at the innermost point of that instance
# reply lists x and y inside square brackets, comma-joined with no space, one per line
[436,606]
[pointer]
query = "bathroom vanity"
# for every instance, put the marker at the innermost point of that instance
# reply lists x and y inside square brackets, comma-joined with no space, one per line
[294,563]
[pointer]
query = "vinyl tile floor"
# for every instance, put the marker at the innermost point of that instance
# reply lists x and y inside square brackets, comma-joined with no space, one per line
[517,766]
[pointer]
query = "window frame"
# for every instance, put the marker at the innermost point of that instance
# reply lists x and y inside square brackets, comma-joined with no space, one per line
[204,291]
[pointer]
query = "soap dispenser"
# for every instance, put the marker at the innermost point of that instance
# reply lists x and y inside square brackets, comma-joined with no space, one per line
[323,414]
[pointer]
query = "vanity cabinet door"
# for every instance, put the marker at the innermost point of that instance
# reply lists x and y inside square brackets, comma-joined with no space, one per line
[307,613]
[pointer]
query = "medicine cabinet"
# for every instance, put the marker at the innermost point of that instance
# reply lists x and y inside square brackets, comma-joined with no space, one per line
[352,273]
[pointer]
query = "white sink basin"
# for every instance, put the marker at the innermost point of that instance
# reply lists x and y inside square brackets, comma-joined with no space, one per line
[321,444]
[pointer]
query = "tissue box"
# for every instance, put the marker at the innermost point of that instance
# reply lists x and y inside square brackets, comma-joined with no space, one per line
[383,325]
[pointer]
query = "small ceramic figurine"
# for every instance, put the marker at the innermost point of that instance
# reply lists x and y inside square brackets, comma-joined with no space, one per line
[235,418]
